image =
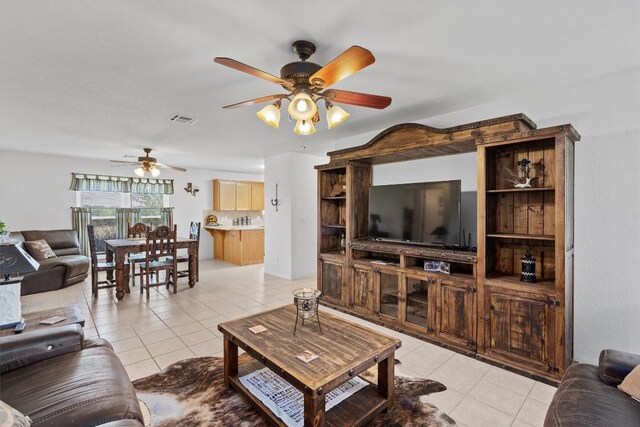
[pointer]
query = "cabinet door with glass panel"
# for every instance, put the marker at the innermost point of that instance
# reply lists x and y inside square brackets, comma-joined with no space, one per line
[418,294]
[388,285]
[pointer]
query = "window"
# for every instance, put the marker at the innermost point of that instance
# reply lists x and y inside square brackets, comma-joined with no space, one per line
[103,205]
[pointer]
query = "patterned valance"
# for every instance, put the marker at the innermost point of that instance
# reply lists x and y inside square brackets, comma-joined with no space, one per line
[120,184]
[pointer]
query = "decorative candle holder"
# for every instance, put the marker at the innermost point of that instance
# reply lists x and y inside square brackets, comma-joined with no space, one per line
[306,302]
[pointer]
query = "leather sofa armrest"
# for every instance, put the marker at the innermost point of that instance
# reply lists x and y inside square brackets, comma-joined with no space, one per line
[615,365]
[21,350]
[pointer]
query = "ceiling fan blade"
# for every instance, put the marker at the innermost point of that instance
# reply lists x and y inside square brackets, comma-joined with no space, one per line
[163,166]
[357,98]
[124,161]
[255,101]
[348,62]
[236,65]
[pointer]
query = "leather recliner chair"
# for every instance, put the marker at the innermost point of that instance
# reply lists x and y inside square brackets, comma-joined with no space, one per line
[58,378]
[588,395]
[67,268]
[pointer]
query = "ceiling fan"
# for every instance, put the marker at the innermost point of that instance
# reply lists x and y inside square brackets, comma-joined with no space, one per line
[147,164]
[307,83]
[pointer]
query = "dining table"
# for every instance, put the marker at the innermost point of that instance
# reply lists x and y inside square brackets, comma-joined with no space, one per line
[117,250]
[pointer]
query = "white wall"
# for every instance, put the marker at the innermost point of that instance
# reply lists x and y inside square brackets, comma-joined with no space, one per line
[290,237]
[34,191]
[607,196]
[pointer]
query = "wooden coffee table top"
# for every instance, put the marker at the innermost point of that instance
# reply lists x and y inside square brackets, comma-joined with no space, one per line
[344,349]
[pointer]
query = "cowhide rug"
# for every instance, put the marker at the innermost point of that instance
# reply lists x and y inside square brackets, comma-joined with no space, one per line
[191,393]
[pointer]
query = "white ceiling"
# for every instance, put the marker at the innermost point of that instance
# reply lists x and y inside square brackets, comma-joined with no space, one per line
[100,79]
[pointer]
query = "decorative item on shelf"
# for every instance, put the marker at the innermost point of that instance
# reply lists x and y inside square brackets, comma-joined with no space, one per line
[212,221]
[339,189]
[306,302]
[13,260]
[528,274]
[522,178]
[274,202]
[191,189]
[343,244]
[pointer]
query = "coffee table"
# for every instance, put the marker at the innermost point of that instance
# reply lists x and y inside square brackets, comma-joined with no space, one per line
[71,313]
[344,349]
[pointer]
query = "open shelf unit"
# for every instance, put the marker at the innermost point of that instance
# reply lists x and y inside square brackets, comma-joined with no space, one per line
[480,308]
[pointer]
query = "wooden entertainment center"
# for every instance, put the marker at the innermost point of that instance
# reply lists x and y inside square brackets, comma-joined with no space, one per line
[481,308]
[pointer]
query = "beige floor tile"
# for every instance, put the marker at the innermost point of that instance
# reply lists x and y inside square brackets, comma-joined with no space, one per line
[204,314]
[187,328]
[419,364]
[178,321]
[154,337]
[132,356]
[519,423]
[456,379]
[197,337]
[470,412]
[498,397]
[164,347]
[175,356]
[118,335]
[127,344]
[207,348]
[446,400]
[533,412]
[467,364]
[542,392]
[509,380]
[142,369]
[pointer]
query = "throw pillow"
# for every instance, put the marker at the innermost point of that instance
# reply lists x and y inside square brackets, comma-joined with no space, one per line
[631,383]
[40,250]
[11,417]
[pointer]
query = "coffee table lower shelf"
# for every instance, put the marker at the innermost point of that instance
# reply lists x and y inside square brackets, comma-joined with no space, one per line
[357,410]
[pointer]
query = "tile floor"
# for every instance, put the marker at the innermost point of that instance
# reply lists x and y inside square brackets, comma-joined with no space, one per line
[150,335]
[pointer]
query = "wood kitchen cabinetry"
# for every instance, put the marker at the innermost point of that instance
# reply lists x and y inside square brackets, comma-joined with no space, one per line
[238,195]
[482,308]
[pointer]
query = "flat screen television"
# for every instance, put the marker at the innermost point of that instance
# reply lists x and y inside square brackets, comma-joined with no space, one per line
[426,213]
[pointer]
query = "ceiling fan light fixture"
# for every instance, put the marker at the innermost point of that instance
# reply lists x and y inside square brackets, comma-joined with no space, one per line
[139,171]
[335,115]
[304,127]
[154,171]
[302,106]
[270,114]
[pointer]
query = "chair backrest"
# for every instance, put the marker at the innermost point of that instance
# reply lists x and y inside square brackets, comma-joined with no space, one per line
[92,245]
[137,230]
[194,231]
[161,242]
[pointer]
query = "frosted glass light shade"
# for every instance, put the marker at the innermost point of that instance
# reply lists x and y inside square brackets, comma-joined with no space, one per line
[139,171]
[335,116]
[270,115]
[154,171]
[302,107]
[304,127]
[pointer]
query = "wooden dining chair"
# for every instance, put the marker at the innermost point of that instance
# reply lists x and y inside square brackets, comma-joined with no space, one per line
[194,234]
[160,244]
[136,231]
[97,267]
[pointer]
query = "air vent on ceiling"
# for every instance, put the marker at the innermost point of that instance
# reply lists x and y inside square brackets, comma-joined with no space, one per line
[179,118]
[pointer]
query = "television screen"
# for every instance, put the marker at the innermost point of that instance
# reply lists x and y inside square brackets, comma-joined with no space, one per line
[426,212]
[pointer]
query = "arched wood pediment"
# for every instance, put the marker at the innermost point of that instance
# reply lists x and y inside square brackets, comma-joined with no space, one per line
[409,141]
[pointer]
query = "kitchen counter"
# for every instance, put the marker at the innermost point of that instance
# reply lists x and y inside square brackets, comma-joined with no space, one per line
[238,244]
[234,227]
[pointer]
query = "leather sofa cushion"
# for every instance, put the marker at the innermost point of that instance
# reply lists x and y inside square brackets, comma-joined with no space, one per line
[57,239]
[76,264]
[582,399]
[89,387]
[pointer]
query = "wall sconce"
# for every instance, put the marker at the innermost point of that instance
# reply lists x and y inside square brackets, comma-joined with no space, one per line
[274,202]
[191,189]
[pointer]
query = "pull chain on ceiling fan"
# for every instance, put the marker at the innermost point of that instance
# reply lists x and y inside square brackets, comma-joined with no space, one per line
[307,83]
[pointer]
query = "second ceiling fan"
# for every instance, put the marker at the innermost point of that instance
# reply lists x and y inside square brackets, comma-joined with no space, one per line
[307,83]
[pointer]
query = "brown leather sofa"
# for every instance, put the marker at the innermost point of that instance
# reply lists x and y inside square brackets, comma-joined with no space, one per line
[58,378]
[588,395]
[67,268]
